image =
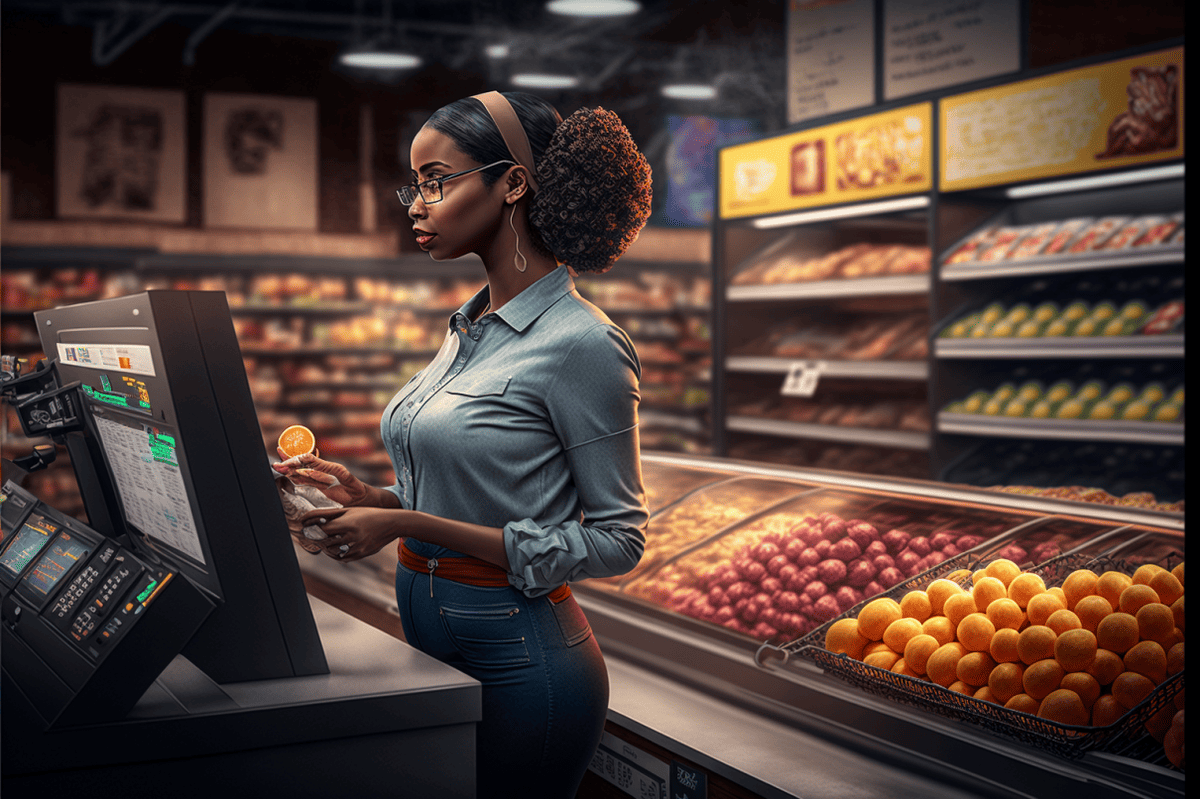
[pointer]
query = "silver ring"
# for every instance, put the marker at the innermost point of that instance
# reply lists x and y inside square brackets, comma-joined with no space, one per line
[344,548]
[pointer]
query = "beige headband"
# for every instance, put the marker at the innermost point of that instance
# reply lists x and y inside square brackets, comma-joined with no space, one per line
[511,130]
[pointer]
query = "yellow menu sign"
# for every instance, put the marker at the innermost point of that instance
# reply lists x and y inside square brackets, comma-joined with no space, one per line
[1109,115]
[860,159]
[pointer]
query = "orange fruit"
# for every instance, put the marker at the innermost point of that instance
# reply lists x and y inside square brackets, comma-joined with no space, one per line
[1057,592]
[898,633]
[918,650]
[1003,570]
[873,647]
[1169,640]
[958,575]
[1075,649]
[942,666]
[842,638]
[901,667]
[1175,659]
[1036,643]
[978,575]
[1003,648]
[1167,586]
[960,687]
[938,592]
[1158,724]
[1005,681]
[297,440]
[1042,677]
[1040,607]
[985,693]
[1178,572]
[1083,684]
[1155,620]
[1006,613]
[1106,710]
[1148,659]
[958,607]
[1130,688]
[1023,703]
[1024,587]
[1079,583]
[975,632]
[1063,706]
[1106,666]
[875,617]
[916,605]
[1091,609]
[883,659]
[940,628]
[974,668]
[986,591]
[1177,611]
[1062,620]
[1111,584]
[1117,632]
[1143,574]
[1135,597]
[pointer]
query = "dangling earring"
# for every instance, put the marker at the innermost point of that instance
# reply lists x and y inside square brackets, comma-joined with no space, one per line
[524,263]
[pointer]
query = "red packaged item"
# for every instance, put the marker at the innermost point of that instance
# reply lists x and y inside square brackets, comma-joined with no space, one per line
[1130,232]
[1067,231]
[1164,319]
[1095,236]
[968,250]
[1033,242]
[997,249]
[1160,232]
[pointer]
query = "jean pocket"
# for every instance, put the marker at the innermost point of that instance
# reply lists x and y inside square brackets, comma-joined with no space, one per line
[489,635]
[571,621]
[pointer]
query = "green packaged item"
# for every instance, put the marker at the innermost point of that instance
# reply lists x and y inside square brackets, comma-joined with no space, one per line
[1103,311]
[1153,393]
[1137,411]
[993,313]
[994,406]
[1134,310]
[1091,391]
[1015,408]
[1073,408]
[1006,392]
[1076,310]
[1104,410]
[1043,409]
[1030,328]
[975,402]
[1018,313]
[961,328]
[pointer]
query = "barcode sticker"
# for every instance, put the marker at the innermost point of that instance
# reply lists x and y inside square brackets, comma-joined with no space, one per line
[802,377]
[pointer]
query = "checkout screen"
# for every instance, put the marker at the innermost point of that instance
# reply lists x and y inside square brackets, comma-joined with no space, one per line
[35,534]
[58,560]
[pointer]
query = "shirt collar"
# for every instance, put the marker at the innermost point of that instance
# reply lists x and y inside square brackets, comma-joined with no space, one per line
[521,311]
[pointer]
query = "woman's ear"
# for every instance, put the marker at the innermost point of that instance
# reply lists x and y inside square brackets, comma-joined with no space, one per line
[518,184]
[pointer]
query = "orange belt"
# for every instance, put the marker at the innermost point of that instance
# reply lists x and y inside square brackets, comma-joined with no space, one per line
[468,570]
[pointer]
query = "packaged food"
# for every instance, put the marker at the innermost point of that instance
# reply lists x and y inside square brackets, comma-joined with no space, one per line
[975,402]
[969,249]
[1097,234]
[1177,238]
[1160,231]
[1064,234]
[962,327]
[872,262]
[1033,241]
[1131,231]
[999,245]
[1165,318]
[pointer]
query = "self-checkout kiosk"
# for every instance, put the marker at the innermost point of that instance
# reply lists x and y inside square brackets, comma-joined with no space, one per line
[170,636]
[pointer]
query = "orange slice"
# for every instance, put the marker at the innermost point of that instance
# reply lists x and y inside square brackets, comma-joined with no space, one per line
[297,440]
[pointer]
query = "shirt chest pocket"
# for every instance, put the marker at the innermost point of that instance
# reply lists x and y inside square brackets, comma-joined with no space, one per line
[479,386]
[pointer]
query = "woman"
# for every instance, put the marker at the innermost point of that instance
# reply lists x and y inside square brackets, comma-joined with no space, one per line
[516,449]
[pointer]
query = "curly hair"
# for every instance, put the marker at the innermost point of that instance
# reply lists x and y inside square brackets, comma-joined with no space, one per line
[594,184]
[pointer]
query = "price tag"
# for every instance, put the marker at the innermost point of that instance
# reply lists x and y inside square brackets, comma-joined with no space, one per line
[633,771]
[801,380]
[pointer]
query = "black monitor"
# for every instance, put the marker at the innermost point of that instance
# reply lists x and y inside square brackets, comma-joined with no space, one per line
[172,462]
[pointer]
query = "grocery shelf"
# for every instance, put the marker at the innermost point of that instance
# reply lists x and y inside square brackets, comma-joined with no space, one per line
[1070,430]
[643,311]
[889,370]
[325,309]
[825,289]
[898,439]
[681,419]
[408,266]
[1160,346]
[312,352]
[1146,256]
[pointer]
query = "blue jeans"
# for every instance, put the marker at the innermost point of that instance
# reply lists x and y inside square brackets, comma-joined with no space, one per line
[545,686]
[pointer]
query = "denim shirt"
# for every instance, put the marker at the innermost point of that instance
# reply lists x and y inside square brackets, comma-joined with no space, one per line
[527,420]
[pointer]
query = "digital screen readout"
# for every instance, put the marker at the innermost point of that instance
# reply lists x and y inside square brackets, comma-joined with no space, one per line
[34,535]
[62,555]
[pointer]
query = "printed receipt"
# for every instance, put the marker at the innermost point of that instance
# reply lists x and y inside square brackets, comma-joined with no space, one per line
[151,485]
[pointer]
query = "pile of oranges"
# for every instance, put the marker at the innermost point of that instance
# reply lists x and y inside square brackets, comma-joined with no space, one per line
[1082,653]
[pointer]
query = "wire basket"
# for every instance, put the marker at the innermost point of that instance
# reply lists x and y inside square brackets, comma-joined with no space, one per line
[1067,741]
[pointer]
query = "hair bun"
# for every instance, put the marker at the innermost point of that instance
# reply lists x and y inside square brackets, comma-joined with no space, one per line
[595,191]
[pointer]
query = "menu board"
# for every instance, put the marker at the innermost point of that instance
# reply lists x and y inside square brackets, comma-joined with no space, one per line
[869,157]
[831,57]
[930,44]
[1109,115]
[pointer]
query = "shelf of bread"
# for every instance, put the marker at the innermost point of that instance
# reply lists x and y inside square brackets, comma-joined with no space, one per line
[898,439]
[1071,245]
[883,370]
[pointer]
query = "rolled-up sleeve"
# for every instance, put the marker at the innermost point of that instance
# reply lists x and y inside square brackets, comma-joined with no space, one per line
[592,404]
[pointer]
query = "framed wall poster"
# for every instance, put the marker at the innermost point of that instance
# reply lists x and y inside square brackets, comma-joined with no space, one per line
[260,162]
[120,153]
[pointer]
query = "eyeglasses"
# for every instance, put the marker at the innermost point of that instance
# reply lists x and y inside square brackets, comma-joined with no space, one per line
[431,190]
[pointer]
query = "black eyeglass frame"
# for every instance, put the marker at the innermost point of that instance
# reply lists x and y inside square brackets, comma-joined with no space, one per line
[416,189]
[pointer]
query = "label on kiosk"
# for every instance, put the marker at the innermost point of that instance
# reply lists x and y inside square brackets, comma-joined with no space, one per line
[87,624]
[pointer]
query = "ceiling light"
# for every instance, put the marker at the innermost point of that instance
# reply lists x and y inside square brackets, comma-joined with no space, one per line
[1096,181]
[537,80]
[593,8]
[496,50]
[843,212]
[690,91]
[380,59]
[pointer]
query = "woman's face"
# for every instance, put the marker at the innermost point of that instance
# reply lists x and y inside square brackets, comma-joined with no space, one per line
[469,215]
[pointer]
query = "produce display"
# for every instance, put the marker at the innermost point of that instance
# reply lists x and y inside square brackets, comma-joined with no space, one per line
[840,457]
[1134,499]
[1080,652]
[1067,237]
[785,262]
[850,338]
[842,411]
[1068,401]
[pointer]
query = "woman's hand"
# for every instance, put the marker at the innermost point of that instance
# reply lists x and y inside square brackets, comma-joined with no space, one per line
[332,479]
[355,533]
